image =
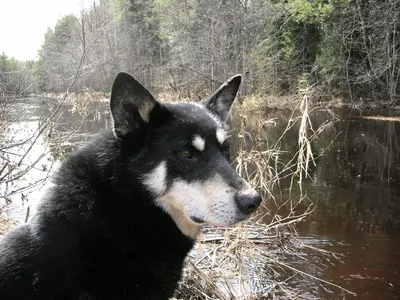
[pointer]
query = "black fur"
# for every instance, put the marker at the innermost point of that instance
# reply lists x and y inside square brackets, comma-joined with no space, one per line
[97,235]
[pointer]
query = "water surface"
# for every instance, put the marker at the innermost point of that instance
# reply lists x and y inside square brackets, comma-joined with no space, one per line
[356,188]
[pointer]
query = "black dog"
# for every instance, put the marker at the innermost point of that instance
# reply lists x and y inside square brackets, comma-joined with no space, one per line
[125,209]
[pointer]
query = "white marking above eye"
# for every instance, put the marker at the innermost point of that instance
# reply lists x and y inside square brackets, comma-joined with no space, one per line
[198,142]
[221,135]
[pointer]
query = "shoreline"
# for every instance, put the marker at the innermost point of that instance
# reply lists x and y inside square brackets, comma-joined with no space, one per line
[248,103]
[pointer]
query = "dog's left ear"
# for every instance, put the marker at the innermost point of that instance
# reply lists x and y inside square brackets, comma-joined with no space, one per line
[221,101]
[131,104]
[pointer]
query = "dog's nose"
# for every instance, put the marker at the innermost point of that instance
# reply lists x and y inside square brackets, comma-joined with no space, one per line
[247,203]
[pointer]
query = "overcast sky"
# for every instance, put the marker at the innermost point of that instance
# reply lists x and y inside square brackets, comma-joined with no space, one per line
[23,23]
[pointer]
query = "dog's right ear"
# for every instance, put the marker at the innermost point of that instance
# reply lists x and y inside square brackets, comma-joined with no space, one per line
[131,104]
[220,102]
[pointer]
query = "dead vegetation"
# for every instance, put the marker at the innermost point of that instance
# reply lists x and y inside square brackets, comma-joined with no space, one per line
[6,225]
[263,258]
[379,118]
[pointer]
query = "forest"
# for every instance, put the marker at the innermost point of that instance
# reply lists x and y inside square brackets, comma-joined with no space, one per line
[337,49]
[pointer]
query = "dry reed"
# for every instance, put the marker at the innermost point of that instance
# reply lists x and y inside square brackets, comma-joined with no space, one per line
[259,259]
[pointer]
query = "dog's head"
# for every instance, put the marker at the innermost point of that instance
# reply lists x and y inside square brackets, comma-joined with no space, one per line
[184,159]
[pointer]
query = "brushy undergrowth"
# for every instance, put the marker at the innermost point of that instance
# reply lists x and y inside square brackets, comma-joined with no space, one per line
[262,257]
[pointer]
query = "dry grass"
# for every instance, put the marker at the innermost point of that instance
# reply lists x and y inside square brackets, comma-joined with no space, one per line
[6,225]
[81,101]
[258,102]
[379,118]
[260,259]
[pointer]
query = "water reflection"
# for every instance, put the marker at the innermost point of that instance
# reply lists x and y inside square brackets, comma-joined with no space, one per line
[356,188]
[70,127]
[356,183]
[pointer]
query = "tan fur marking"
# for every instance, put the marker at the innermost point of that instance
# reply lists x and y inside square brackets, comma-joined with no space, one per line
[188,227]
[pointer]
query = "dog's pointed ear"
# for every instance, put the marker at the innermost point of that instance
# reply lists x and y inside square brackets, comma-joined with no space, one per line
[221,101]
[131,104]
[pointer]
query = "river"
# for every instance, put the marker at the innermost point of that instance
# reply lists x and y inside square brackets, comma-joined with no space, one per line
[355,185]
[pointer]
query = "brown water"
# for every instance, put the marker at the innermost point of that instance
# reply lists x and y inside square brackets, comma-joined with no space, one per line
[355,186]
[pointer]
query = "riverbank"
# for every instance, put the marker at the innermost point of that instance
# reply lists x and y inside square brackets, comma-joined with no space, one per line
[290,102]
[253,103]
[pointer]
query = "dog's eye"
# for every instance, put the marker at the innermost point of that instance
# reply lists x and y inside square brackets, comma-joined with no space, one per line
[225,150]
[186,154]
